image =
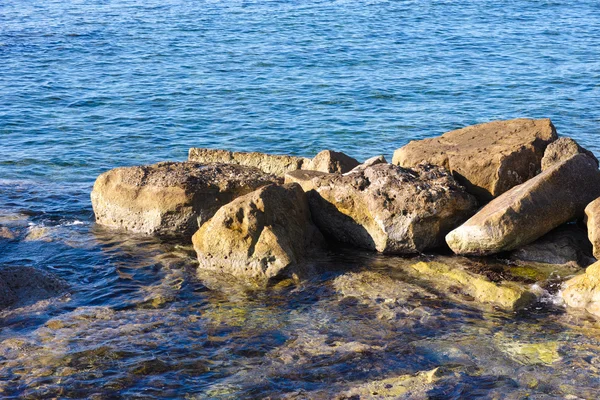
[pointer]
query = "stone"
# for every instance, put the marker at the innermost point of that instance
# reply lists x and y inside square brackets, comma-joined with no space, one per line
[565,244]
[6,233]
[263,235]
[368,163]
[488,159]
[170,198]
[269,163]
[563,149]
[592,220]
[506,295]
[21,286]
[583,291]
[530,210]
[332,162]
[387,208]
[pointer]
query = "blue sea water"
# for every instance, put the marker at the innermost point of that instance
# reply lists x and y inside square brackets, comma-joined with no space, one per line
[88,86]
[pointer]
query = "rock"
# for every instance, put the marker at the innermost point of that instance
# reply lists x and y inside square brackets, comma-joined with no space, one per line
[332,161]
[539,353]
[170,198]
[561,150]
[583,291]
[387,208]
[262,235]
[20,286]
[530,210]
[269,163]
[489,159]
[38,233]
[368,163]
[506,295]
[565,244]
[6,233]
[592,220]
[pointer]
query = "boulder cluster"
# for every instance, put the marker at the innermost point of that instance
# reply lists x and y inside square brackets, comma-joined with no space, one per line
[503,187]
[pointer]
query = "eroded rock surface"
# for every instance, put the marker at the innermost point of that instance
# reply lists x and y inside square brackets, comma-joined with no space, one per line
[170,198]
[270,163]
[262,235]
[385,207]
[530,210]
[332,162]
[561,150]
[489,159]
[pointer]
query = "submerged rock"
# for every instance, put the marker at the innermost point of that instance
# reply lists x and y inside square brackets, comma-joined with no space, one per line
[262,235]
[6,233]
[583,291]
[25,285]
[566,244]
[526,353]
[592,220]
[170,198]
[270,163]
[385,207]
[529,211]
[332,162]
[489,159]
[561,150]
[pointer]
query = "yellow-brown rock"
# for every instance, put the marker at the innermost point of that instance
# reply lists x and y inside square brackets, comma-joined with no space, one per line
[261,236]
[332,162]
[561,150]
[170,198]
[489,158]
[583,291]
[592,220]
[530,210]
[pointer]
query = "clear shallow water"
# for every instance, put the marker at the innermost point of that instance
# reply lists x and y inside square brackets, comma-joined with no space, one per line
[84,88]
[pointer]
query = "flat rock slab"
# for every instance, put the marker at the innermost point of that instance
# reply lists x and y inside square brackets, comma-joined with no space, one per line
[170,198]
[262,235]
[385,207]
[530,210]
[489,158]
[583,291]
[270,163]
[25,285]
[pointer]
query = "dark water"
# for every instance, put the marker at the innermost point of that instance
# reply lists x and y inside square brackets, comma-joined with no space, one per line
[87,86]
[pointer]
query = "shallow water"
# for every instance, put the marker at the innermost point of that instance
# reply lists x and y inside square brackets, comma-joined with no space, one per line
[87,87]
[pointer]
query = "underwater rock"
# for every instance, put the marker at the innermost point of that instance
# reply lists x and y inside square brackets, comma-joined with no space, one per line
[530,210]
[489,159]
[170,198]
[561,150]
[6,233]
[262,235]
[565,244]
[332,162]
[583,291]
[537,353]
[387,208]
[592,220]
[41,233]
[269,163]
[25,285]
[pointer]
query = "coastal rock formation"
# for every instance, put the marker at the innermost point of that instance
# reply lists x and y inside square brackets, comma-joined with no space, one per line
[262,235]
[368,163]
[170,198]
[25,285]
[489,158]
[332,161]
[530,210]
[583,291]
[561,150]
[269,163]
[385,207]
[592,219]
[566,244]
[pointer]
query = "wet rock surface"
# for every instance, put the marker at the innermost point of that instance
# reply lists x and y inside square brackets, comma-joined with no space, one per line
[21,286]
[170,198]
[489,159]
[583,291]
[387,208]
[530,210]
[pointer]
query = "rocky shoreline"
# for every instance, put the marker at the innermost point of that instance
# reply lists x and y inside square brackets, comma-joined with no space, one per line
[505,190]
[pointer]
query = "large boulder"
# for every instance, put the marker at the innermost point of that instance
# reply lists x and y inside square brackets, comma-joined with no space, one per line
[170,198]
[583,291]
[21,286]
[489,158]
[332,161]
[263,235]
[385,207]
[561,150]
[592,219]
[530,210]
[270,163]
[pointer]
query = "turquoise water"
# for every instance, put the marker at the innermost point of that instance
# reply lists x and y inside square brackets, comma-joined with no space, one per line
[87,86]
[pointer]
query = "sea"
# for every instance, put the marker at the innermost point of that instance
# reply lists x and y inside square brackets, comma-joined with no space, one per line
[86,86]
